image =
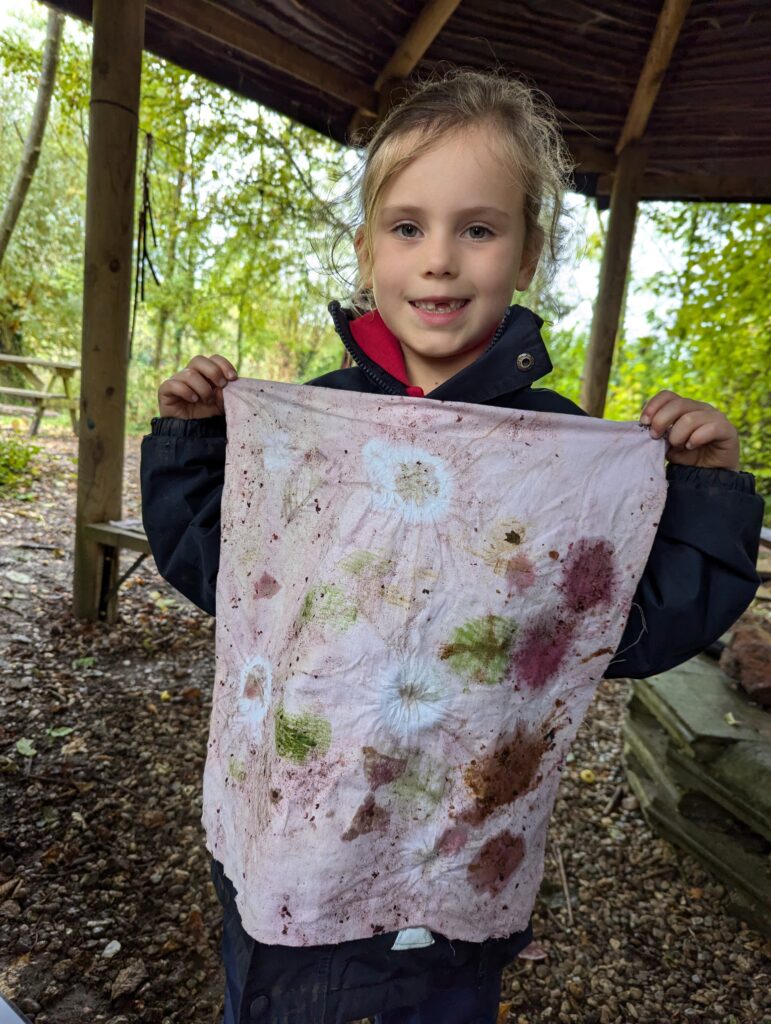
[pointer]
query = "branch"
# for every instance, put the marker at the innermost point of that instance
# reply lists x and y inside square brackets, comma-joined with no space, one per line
[31,154]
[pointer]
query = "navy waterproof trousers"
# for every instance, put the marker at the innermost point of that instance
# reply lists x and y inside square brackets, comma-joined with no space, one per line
[447,983]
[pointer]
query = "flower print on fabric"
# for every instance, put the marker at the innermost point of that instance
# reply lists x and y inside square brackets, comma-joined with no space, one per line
[276,449]
[255,690]
[413,697]
[415,604]
[408,480]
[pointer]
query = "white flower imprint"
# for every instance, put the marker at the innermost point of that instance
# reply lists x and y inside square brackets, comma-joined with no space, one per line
[412,698]
[408,480]
[276,449]
[255,691]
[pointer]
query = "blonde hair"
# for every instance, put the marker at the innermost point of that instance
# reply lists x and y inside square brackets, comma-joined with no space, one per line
[529,137]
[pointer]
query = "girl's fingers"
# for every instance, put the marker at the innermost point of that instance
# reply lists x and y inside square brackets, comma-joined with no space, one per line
[653,405]
[197,382]
[177,388]
[198,386]
[215,369]
[707,433]
[685,425]
[672,412]
[666,414]
[226,366]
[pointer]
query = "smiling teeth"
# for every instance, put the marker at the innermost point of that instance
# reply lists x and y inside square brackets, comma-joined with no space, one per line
[440,307]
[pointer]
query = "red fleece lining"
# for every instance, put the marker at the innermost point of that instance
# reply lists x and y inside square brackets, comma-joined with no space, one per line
[380,345]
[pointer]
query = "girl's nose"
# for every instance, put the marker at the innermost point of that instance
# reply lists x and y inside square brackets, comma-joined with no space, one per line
[439,257]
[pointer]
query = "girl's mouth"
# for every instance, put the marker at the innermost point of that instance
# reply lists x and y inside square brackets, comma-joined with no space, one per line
[439,311]
[439,305]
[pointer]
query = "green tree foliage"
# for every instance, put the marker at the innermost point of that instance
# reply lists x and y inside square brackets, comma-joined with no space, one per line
[239,204]
[710,323]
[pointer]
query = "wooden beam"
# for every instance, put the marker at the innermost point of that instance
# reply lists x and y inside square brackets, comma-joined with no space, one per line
[115,76]
[668,27]
[704,187]
[613,273]
[409,53]
[421,34]
[243,35]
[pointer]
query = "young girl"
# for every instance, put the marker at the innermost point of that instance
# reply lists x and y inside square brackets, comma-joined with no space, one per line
[456,185]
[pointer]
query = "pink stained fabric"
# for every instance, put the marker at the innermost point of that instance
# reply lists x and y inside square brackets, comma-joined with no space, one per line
[416,601]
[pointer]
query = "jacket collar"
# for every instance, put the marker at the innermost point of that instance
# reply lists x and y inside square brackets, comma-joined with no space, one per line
[515,358]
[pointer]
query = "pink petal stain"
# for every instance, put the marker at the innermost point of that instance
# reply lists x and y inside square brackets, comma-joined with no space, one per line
[520,572]
[542,647]
[266,586]
[588,574]
[379,769]
[452,840]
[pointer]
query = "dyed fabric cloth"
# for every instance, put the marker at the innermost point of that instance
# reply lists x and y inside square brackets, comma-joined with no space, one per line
[416,601]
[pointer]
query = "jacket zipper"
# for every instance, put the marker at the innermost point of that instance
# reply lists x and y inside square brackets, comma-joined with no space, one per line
[364,366]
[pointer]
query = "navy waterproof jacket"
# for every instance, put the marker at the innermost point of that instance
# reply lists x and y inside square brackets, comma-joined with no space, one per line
[699,578]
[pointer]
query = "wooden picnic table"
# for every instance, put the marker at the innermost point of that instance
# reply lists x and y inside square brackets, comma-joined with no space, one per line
[42,393]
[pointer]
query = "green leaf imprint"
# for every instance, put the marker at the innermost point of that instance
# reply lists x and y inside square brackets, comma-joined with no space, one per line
[480,649]
[328,606]
[297,736]
[367,565]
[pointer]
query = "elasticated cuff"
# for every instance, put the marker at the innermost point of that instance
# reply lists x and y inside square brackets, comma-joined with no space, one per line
[725,479]
[173,426]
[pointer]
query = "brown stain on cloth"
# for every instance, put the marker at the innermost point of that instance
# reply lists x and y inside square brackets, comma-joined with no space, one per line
[496,862]
[509,771]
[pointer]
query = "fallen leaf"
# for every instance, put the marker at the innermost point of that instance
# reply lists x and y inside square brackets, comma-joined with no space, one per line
[729,719]
[60,730]
[25,747]
[18,577]
[503,1012]
[165,695]
[535,951]
[75,746]
[587,775]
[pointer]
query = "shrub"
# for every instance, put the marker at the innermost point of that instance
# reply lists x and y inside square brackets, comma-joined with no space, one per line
[16,453]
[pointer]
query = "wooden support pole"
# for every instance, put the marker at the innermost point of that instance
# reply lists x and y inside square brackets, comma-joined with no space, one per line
[613,272]
[115,78]
[627,188]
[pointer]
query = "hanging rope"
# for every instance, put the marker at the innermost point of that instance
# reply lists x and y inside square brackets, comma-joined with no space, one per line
[143,255]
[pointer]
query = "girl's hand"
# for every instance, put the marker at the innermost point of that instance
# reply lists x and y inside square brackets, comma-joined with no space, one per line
[698,433]
[196,392]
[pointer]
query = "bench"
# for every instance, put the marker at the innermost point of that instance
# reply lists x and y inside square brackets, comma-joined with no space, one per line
[41,396]
[111,537]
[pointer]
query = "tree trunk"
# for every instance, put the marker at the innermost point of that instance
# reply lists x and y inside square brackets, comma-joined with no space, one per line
[165,311]
[34,140]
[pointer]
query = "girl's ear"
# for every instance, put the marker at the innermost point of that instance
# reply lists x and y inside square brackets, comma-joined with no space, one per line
[527,268]
[363,257]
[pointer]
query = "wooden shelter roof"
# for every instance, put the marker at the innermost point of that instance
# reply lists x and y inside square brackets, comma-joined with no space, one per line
[321,61]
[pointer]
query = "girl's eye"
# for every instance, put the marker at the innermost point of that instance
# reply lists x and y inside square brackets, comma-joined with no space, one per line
[406,230]
[478,232]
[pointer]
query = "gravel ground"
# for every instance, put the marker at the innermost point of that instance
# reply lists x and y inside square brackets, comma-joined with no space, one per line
[106,909]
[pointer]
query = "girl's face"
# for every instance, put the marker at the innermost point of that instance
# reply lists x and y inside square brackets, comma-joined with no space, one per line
[448,251]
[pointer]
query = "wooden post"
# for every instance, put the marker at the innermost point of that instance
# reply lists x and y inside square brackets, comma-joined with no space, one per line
[115,77]
[613,273]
